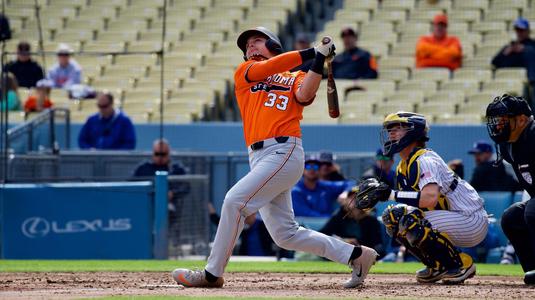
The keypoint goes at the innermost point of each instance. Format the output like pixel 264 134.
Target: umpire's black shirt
pixel 521 155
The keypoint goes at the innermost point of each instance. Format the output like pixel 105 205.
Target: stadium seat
pixel 473 74
pixel 406 5
pixel 507 15
pixel 465 85
pixel 504 4
pixel 464 15
pixel 489 26
pixel 361 97
pixel 396 75
pixel 477 63
pixel 435 108
pixel 472 4
pixel 396 62
pixel 449 96
pixel 436 74
pixel 386 86
pixel 383 109
pixel 461 118
pixel 518 74
pixel 410 96
pixel 370 5
pixel 504 86
pixel 426 87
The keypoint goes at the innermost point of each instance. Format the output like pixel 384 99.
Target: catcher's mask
pixel 273 43
pixel 416 130
pixel 498 114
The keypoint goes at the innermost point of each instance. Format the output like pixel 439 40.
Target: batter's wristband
pixel 307 54
pixel 317 65
pixel 409 198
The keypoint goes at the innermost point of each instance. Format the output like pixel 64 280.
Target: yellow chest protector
pixel 408 176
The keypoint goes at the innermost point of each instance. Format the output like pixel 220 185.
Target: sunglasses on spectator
pixel 161 153
pixel 314 167
pixel 103 105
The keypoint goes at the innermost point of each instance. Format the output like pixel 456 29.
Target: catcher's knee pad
pixel 391 217
pixel 433 247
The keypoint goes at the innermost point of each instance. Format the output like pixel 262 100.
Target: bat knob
pixel 325 40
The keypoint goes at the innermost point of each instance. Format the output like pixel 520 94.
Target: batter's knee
pixel 233 205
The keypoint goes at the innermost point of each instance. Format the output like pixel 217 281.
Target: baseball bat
pixel 332 93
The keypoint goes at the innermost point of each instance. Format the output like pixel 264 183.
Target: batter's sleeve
pixel 260 70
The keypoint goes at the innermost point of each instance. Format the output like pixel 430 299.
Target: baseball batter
pixel 438 210
pixel 271 101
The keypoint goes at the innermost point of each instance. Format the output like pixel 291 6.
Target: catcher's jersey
pixel 268 106
pixel 424 166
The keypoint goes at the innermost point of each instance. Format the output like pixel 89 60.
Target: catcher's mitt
pixel 369 192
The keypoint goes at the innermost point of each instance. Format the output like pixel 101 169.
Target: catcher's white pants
pixel 463 231
pixel 275 169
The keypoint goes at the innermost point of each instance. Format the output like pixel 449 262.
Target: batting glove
pixel 326 46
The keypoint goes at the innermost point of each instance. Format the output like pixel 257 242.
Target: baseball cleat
pixel 195 278
pixel 429 275
pixel 361 266
pixel 458 276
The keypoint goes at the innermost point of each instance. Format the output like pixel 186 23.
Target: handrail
pixel 47 116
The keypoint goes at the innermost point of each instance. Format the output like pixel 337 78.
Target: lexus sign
pixel 36 227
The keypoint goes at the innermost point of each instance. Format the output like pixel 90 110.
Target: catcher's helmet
pixel 417 129
pixel 272 43
pixel 504 106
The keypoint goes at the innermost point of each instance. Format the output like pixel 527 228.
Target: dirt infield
pixel 77 285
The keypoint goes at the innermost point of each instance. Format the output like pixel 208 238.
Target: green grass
pixel 271 267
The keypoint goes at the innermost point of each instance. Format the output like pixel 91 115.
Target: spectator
pixel 457 166
pixel 486 176
pixel 329 171
pixel 5 29
pixel 302 42
pixel 355 226
pixel 354 62
pixel 67 71
pixel 109 129
pixel 519 53
pixel 160 161
pixel 255 239
pixel 41 99
pixel 26 70
pixel 313 197
pixel 439 50
pixel 12 94
pixel 382 169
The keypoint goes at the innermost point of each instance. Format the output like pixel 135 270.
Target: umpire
pixel 510 125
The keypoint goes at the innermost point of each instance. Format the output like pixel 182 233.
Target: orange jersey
pixel 265 91
pixel 446 53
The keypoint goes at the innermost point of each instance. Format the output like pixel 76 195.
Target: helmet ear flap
pixel 273 46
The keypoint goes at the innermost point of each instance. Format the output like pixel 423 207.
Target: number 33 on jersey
pixel 268 107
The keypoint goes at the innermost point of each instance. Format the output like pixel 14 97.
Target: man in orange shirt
pixel 271 101
pixel 439 50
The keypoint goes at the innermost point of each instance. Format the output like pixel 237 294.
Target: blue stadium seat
pixel 495 204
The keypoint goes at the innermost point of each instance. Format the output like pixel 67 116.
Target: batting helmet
pixel 417 129
pixel 272 41
pixel 504 106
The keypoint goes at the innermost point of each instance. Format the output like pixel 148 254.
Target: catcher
pixel 437 210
